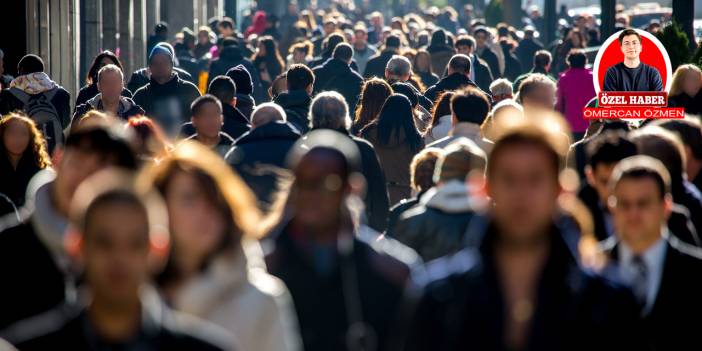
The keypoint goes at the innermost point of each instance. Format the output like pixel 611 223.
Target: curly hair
pixel 37 148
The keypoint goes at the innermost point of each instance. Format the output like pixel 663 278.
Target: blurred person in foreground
pixel 119 236
pixel 347 283
pixel 520 286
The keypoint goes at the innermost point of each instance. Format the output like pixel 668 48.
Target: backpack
pixel 40 109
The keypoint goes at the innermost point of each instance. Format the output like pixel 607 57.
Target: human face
pixel 110 85
pixel 329 28
pixel 299 56
pixel 208 121
pixel 598 178
pixel 638 211
pixel 16 138
pixel 691 83
pixel 481 39
pixel 464 49
pixel 225 31
pixel 161 68
pixel 203 38
pixel 261 49
pixel 115 251
pixel 524 187
pixel 319 191
pixel 74 167
pixel 197 224
pixel 360 38
pixel 631 47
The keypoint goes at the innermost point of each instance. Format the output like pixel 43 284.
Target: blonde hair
pixel 679 77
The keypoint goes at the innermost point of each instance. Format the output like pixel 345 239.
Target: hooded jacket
pixel 437 225
pixel 168 103
pixel 127 108
pixel 296 104
pixel 34 84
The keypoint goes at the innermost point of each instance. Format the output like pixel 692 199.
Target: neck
pixel 521 243
pixel 115 320
pixel 209 141
pixel 14 159
pixel 693 169
pixel 639 247
pixel 632 63
pixel 110 104
pixel 323 234
pixel 359 46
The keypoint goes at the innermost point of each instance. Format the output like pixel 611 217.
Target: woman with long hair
pixel 89 90
pixel 441 118
pixel 396 140
pixel 215 269
pixel 373 95
pixel 685 90
pixel 267 61
pixel 22 155
pixel 422 68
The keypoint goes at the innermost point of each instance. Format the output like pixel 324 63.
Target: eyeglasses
pixel 631 43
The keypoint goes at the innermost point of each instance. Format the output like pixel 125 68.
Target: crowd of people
pixel 324 181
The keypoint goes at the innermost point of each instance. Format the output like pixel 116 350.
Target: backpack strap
pixel 20 95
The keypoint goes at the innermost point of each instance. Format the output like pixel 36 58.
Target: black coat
pixel 462 306
pixel 376 64
pixel 259 155
pixel 490 58
pixel 89 91
pixel 169 103
pixel 296 104
pixel 673 321
pixel 141 77
pixel 483 74
pixel 692 105
pixel 68 327
pixel 235 124
pixel 223 146
pixel 452 82
pixel 525 53
pixel 126 110
pixel 338 76
pixel 13 181
pixel 245 104
pixel 397 210
pixel 373 272
pixel 231 56
pixel 38 286
pixel 428 78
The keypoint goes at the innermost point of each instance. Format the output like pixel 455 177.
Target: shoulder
pixel 188 85
pixel 447 270
pixel 614 68
pixel 190 332
pixel 388 252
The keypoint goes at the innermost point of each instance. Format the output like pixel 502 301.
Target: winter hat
pixel 161 49
pixel 458 160
pixel 242 79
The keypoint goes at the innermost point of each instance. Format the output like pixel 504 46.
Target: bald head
pixel 266 113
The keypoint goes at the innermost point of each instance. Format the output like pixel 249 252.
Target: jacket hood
pixel 33 83
pixel 125 103
pixel 451 197
pixel 272 130
pixel 294 98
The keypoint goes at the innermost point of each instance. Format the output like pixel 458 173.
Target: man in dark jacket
pixel 231 56
pixel 141 77
pixel 329 111
pixel 520 287
pixel 437 225
pixel 644 255
pixel 117 226
pixel 346 282
pixel 458 71
pixel 166 98
pixel 376 65
pixel 37 244
pixel 482 38
pixel 337 75
pixel 259 155
pixel 110 83
pixel 527 48
pixel 296 100
pixel 235 124
pixel 399 70
pixel 35 93
pixel 541 64
pixel 244 90
pixel 480 71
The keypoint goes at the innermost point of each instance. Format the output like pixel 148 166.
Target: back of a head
pixel 392 41
pixel 407 90
pixel 329 110
pixel 266 113
pixel 470 105
pixel 577 59
pixel 689 131
pixel 608 148
pixel 422 168
pixel 533 83
pixel 106 138
pixel 542 58
pixel 161 28
pixel 242 79
pixel 30 64
pixel 396 118
pixel 459 159
pixel 343 52
pixel 501 87
pixel 332 41
pixel 398 66
pixel 438 37
pixel 663 145
pixel 223 88
pixel 459 64
pixel 299 77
